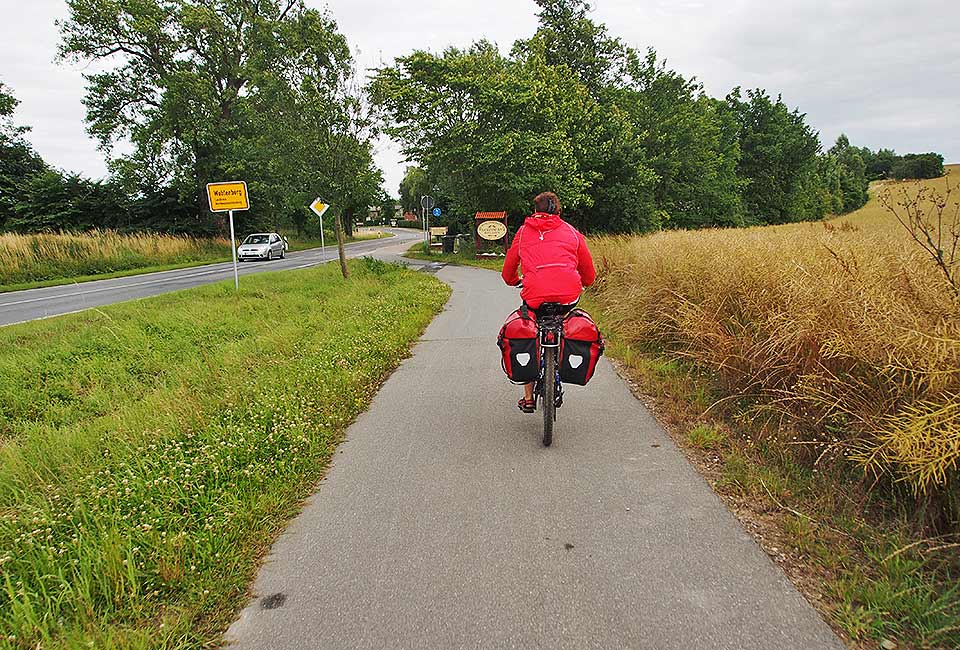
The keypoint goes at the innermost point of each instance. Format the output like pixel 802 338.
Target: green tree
pixel 918 165
pixel 52 201
pixel 215 89
pixel 778 159
pixel 830 194
pixel 388 208
pixel 852 172
pixel 569 37
pixel 491 131
pixel 879 164
pixel 18 162
pixel 413 186
pixel 690 143
pixel 620 194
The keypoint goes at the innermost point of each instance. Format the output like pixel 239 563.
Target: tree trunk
pixel 338 226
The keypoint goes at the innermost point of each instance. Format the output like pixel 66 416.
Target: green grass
pixel 705 437
pixel 152 449
pixel 465 256
pixel 898 601
pixel 304 243
pixel 884 583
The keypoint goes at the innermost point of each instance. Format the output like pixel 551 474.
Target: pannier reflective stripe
pixel 520 354
pixel 581 348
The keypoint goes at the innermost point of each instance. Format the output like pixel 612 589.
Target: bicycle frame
pixel 548 390
pixel 549 334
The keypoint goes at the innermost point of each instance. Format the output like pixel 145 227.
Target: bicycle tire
pixel 549 394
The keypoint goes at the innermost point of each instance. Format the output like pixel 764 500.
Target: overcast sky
pixel 885 72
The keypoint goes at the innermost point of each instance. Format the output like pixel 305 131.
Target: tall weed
pixel 48 256
pixel 845 326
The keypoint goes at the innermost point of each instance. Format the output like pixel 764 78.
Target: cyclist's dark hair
pixel 547 202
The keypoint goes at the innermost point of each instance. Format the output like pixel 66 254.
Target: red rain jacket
pixel 555 260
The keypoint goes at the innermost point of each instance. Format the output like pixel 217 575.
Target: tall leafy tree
pixel 878 164
pixel 829 192
pixel 852 174
pixel 664 155
pixel 492 131
pixel 413 186
pixel 214 89
pixel 621 191
pixel 568 36
pixel 778 159
pixel 55 201
pixel 918 165
pixel 18 162
pixel 689 141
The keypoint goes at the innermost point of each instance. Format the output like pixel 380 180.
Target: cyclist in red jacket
pixel 556 264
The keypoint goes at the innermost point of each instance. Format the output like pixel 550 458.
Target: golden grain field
pixel 845 325
pixel 46 256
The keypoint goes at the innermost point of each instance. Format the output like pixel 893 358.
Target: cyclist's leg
pixel 527 403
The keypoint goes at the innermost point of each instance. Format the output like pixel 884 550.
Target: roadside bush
pixel 918 166
pixel 50 201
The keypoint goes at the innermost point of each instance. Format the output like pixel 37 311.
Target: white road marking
pixel 45 316
pixel 222 267
pixel 111 288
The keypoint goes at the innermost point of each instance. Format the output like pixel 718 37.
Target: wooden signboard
pixel 436 236
pixel 491 234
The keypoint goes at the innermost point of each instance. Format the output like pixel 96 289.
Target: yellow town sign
pixel 225 197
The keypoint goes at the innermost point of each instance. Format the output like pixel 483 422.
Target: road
pixel 444 523
pixel 19 306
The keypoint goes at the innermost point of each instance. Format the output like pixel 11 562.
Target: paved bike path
pixel 443 522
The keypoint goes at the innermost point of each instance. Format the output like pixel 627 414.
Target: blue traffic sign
pixel 436 212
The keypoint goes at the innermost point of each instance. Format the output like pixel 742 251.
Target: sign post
pixel 426 203
pixel 319 207
pixel 233 249
pixel 227 197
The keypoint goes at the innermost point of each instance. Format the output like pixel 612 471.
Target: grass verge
pixel 59 282
pixel 51 256
pixel 151 450
pixel 221 254
pixel 304 243
pixel 465 256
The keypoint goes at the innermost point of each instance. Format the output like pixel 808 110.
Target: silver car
pixel 262 246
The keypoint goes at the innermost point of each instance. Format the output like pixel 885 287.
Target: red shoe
pixel 527 405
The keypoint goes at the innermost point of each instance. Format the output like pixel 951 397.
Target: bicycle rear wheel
pixel 549 394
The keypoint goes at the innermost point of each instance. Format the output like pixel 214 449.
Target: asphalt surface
pixel 20 306
pixel 444 523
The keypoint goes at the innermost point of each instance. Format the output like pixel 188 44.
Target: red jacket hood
pixel 543 222
pixel 555 258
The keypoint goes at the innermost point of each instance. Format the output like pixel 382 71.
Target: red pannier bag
pixel 581 348
pixel 518 345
